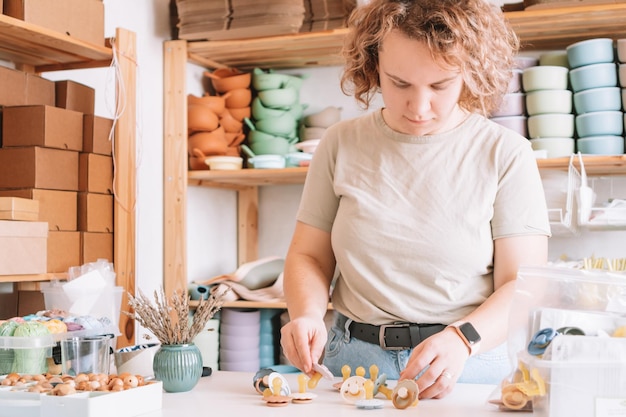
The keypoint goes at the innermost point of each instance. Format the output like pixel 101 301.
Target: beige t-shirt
pixel 413 218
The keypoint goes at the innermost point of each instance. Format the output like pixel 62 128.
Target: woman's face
pixel 420 95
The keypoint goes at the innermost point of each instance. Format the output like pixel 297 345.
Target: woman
pixel 417 216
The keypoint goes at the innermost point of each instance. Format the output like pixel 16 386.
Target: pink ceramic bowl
pixel 513 104
pixel 515 123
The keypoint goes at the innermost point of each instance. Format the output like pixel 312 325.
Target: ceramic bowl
pixel 283 125
pixel 547 77
pixel 515 123
pixel 307 133
pixel 201 118
pixel 279 97
pixel 515 84
pixel 598 99
pixel 221 163
pixel 240 113
pixel 600 123
pixel 556 58
pixel 234 138
pixel 262 81
pixel 324 118
pixel 298 159
pixel 239 330
pixel 621 75
pixel 215 103
pixel 551 125
pixel 260 112
pixel 593 76
pixel 308 146
pixel 589 52
pixel 226 79
pixel 554 147
pixel 513 104
pixel 267 161
pixel 523 62
pixel 240 316
pixel 624 100
pixel 621 50
pixel 229 123
pixel 230 356
pixel 238 98
pixel 255 136
pixel 240 366
pixel 601 145
pixel 209 143
pixel 548 101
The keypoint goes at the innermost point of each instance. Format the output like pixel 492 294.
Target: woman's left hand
pixel 442 358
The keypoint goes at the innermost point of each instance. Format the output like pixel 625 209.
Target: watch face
pixel 470 333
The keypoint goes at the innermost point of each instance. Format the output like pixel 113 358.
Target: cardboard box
pixel 96 134
pixel 39 90
pixel 58 208
pixel 95 212
pixel 80 19
pixel 63 251
pixel 29 302
pixel 75 96
pixel 95 173
pixel 46 126
pixel 12 87
pixel 23 247
pixel 36 167
pixel 96 246
pixel 16 208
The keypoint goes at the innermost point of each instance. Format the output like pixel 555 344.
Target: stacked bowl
pixel 314 125
pixel 549 107
pixel 512 111
pixel 276 112
pixel 597 97
pixel 240 331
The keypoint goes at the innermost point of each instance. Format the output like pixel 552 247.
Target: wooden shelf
pixel 47 50
pixel 240 179
pixel 538 29
pixel 247 177
pixel 252 304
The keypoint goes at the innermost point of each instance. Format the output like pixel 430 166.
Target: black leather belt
pixel 399 336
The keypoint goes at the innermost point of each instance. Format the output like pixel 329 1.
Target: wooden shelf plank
pixel 47 50
pixel 237 179
pixel 252 304
pixel 594 165
pixel 32 277
pixel 538 28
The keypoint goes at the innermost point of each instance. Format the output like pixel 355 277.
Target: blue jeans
pixel 342 349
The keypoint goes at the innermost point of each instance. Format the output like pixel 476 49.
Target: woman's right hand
pixel 303 340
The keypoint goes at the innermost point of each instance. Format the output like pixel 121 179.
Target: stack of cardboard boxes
pixel 54 150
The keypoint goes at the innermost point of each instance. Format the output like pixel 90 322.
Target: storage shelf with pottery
pixel 36 49
pixel 539 29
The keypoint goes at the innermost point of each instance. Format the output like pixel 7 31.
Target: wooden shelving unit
pixel 539 29
pixel 35 49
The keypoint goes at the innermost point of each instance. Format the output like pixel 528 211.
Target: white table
pixel 233 394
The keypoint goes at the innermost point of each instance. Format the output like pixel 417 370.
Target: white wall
pixel 211 213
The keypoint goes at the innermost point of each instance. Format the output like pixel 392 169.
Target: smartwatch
pixel 468 334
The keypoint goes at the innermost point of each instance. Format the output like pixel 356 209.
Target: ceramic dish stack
pixel 549 107
pixel 240 331
pixel 597 98
pixel 512 111
pixel 621 75
pixel 314 125
pixel 276 112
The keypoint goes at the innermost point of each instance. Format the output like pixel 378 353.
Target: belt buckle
pixel 381 336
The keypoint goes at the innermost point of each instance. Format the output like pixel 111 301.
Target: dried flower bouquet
pixel 169 319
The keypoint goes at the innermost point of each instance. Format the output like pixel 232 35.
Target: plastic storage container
pixel 97 303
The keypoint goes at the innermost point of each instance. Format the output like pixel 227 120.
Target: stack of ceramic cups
pixel 276 112
pixel 621 59
pixel 597 98
pixel 549 107
pixel 512 112
pixel 240 331
pixel 269 338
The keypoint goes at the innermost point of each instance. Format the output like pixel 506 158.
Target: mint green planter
pixel 179 367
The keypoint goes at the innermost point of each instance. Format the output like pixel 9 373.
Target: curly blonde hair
pixel 471 35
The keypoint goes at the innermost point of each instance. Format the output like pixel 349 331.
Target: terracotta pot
pixel 209 143
pixel 201 118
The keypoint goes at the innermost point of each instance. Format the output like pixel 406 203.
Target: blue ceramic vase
pixel 179 367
